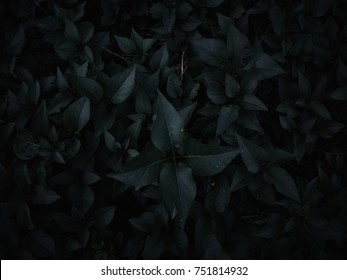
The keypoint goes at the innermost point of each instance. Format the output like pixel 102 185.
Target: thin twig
pixel 117 55
pixel 183 67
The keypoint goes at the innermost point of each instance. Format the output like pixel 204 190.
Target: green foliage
pixel 173 129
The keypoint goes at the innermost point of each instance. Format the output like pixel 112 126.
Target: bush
pixel 173 129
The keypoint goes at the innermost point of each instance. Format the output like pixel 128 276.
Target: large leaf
pixel 211 51
pixel 178 189
pixel 283 182
pixel 167 130
pixel 77 115
pixel 207 160
pixel 252 154
pixel 142 170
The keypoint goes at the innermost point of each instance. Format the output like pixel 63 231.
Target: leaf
pixel 178 189
pixel 213 3
pixel 77 115
pixel 167 130
pixel 153 248
pixel 241 178
pixel 40 122
pixel 65 49
pixel 44 196
pixel 214 79
pixel 144 222
pixel 87 87
pixel 252 154
pixel 71 32
pixel 267 67
pixel 186 113
pixel 283 182
pixel 232 87
pixel 304 85
pixel 103 216
pixel 320 109
pixel 125 45
pixel 125 88
pixel 41 243
pixel 190 24
pixel 339 94
pixel 174 86
pixel 251 102
pixel 5 132
pixel 16 41
pixel 25 145
pixel 142 170
pixel 249 120
pixel 207 160
pixel 82 197
pixel 211 51
pixel 227 116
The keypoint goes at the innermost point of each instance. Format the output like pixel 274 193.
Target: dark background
pixel 173 129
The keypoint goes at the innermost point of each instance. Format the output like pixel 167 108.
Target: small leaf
pixel 227 116
pixel 213 3
pixel 125 89
pixel 82 197
pixel 71 32
pixel 142 170
pixel 320 109
pixel 65 49
pixel 16 41
pixel 25 145
pixel 252 155
pixel 87 87
pixel 77 115
pixel 339 94
pixel 167 130
pixel 178 189
pixel 267 67
pixel 283 182
pixel 125 44
pixel 44 196
pixel 251 102
pixel 232 87
pixel 103 216
pixel 207 160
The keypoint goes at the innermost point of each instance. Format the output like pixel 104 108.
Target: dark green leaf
pixel 103 216
pixel 25 145
pixel 267 67
pixel 141 170
pixel 207 160
pixel 178 189
pixel 125 44
pixel 167 130
pixel 232 87
pixel 283 182
pixel 251 102
pixel 82 197
pixel 77 115
pixel 121 89
pixel 44 196
pixel 71 32
pixel 252 155
pixel 87 87
pixel 211 51
pixel 227 116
